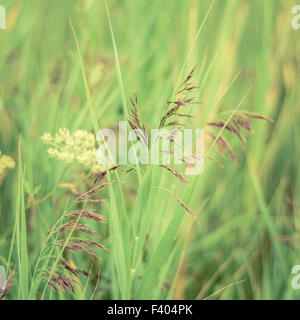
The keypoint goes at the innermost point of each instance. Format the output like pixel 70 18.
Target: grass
pixel 73 65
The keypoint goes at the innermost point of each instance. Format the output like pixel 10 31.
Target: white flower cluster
pixel 78 146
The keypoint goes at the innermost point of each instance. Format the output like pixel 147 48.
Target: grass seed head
pixel 7 285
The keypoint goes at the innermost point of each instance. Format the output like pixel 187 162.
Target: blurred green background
pixel 247 239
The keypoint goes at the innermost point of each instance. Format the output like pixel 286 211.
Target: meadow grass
pixel 74 64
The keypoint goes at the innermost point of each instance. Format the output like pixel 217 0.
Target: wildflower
pixel 6 163
pixel 79 146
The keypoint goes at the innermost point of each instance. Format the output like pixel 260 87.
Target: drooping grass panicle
pixel 182 204
pixel 239 122
pixel 73 225
pixel 187 209
pixel 91 243
pixel 60 280
pixel 174 172
pixel 223 144
pixel 68 267
pixel 74 246
pixel 7 285
pixel 135 121
pixel 182 99
pixel 257 116
pixel 104 173
pixel 91 192
pixel 71 238
pixel 86 214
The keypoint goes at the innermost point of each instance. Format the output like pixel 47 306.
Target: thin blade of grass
pixel 22 249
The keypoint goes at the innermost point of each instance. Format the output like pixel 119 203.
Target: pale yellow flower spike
pixel 6 163
pixel 79 146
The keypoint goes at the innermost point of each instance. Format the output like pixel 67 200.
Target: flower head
pixel 6 163
pixel 79 146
